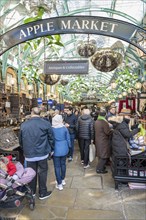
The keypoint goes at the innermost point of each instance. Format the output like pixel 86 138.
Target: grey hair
pixel 86 111
pixel 36 111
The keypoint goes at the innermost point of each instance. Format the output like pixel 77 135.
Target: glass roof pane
pixel 13 13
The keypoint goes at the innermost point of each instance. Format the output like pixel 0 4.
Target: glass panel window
pixel 9 79
pixel 23 86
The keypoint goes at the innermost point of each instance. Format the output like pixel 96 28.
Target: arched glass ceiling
pixel 13 13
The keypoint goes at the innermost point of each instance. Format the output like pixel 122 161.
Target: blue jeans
pixel 60 168
pixel 72 140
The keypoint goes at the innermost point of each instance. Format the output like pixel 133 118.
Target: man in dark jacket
pixel 120 137
pixel 70 122
pixel 85 130
pixel 37 141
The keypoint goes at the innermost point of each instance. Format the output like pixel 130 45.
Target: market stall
pixel 132 168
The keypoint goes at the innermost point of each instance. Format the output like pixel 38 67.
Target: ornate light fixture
pixel 124 93
pixel 86 48
pixel 106 60
pixel 91 94
pixel 113 85
pixel 138 85
pixel 64 82
pixel 49 79
pixel 120 96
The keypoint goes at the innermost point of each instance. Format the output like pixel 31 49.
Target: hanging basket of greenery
pixel 49 79
pixel 106 60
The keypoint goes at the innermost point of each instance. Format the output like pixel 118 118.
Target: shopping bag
pixel 91 152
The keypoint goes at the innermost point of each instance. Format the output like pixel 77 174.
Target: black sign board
pixel 73 24
pixel 66 67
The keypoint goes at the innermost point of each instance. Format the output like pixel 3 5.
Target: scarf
pixel 57 121
pixel 101 118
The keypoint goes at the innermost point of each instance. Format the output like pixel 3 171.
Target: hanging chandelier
pixel 64 82
pixel 86 48
pixel 49 79
pixel 91 94
pixel 106 60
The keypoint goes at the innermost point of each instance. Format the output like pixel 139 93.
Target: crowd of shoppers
pixel 54 135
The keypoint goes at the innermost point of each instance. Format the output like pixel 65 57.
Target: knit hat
pixel 57 121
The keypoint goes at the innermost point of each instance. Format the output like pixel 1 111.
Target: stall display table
pixel 129 169
pixel 9 142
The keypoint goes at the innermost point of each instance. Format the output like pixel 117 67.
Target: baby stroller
pixel 14 190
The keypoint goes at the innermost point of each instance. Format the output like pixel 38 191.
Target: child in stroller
pixel 13 183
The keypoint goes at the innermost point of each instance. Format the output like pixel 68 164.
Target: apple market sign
pixel 73 24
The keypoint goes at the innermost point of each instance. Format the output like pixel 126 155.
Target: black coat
pixel 120 137
pixel 85 127
pixel 71 120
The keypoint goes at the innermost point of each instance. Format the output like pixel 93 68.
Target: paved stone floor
pixel 86 196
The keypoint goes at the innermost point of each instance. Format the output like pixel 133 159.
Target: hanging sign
pixel 50 102
pixel 73 24
pixel 66 67
pixel 39 100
